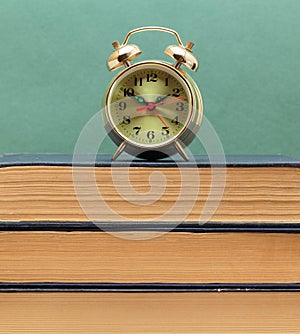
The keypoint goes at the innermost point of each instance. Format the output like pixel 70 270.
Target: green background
pixel 53 67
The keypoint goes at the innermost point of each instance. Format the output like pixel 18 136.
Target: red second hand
pixel 160 118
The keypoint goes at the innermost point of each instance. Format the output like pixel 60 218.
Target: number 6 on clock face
pixel 151 108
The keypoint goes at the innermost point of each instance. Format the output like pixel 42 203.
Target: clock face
pixel 149 105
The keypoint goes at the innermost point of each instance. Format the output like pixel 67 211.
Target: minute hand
pixel 151 105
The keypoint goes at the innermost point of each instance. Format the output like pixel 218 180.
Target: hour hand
pixel 140 99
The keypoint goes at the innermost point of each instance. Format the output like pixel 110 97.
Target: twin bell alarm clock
pixel 152 109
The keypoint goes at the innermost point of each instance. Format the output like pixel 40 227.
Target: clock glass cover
pixel 149 104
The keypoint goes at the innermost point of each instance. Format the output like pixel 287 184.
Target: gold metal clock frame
pixel 122 56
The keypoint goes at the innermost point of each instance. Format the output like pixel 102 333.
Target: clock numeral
pixel 176 92
pixel 122 105
pixel 167 82
pixel 128 92
pixel 165 130
pixel 175 120
pixel 150 135
pixel 138 129
pixel 126 120
pixel 180 106
pixel 138 81
pixel 152 77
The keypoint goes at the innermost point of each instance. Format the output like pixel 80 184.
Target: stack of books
pixel 113 248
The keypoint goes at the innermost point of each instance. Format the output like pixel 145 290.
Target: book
pixel 172 258
pixel 41 188
pixel 142 312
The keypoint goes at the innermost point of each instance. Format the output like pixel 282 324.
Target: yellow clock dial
pixel 149 105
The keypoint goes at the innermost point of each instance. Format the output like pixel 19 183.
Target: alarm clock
pixel 152 109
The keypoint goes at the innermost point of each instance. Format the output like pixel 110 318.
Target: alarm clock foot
pixel 119 150
pixel 181 151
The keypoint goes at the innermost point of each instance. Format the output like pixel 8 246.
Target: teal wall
pixel 53 67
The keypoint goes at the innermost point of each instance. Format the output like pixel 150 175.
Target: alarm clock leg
pixel 181 151
pixel 119 150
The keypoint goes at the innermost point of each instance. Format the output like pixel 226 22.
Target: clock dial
pixel 149 105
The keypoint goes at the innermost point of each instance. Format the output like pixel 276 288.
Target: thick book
pixel 192 258
pixel 128 313
pixel 244 189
